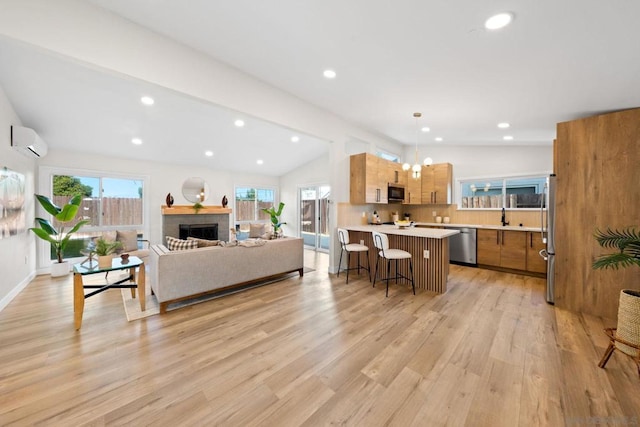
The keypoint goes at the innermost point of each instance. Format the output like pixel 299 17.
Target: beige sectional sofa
pixel 186 274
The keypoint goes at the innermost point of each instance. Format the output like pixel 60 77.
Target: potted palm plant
pixel 58 237
pixel 104 250
pixel 626 337
pixel 275 218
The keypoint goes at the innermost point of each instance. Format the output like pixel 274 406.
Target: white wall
pixel 17 253
pixel 488 161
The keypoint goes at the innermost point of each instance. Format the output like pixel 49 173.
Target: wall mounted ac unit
pixel 28 142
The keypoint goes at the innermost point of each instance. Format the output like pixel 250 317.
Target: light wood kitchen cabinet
pixel 437 182
pixel 368 179
pixel 502 248
pixel 535 263
pixel 413 193
pixel 395 174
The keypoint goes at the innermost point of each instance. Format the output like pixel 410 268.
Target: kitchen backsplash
pixel 352 214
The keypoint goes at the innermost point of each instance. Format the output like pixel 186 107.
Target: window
pixel 496 193
pixel 250 201
pixel 388 156
pixel 109 203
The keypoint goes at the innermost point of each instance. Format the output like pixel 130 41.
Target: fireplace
pixel 175 216
pixel 201 231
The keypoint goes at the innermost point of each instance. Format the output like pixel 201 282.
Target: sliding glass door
pixel 314 216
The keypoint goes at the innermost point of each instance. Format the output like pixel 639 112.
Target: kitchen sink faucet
pixel 504 218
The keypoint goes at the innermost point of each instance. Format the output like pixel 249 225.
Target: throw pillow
pixel 174 244
pixel 109 236
pixel 203 243
pixel 256 230
pixel 129 240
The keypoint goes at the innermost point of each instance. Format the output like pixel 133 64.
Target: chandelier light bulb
pixel 406 166
pixel 428 161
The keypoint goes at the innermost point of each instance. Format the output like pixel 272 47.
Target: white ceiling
pixel 558 61
pixel 83 109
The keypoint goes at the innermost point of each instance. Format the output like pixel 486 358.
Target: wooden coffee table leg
pixel 78 300
pixel 132 274
pixel 142 287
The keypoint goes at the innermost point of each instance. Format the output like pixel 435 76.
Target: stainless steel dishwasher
pixel 463 246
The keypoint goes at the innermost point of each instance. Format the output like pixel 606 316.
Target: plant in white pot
pixel 626 337
pixel 58 237
pixel 275 218
pixel 105 250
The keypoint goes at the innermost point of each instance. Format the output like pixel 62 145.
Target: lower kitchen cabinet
pixel 535 263
pixel 502 248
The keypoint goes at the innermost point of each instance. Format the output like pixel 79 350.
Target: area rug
pixel 132 305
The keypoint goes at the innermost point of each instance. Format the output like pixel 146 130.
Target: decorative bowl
pixel 402 224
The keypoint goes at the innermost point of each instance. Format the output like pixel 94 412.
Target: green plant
pixel 57 237
pixel 275 216
pixel 626 241
pixel 104 247
pixel 197 206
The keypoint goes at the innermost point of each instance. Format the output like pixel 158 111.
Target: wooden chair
pixel 343 238
pixel 381 242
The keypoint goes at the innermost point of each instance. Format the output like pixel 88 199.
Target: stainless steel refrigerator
pixel 548 229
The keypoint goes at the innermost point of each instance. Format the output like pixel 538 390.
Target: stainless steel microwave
pixel 395 193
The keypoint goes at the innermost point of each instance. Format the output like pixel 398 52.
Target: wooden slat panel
pixel 430 274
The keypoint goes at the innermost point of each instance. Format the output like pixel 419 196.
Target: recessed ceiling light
pixel 136 141
pixel 425 129
pixel 260 161
pixel 208 153
pixel 507 137
pixel 147 100
pixel 295 138
pixel 503 125
pixel 498 21
pixel 239 123
pixel 439 138
pixel 330 74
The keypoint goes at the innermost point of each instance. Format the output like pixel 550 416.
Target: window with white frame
pixel 250 201
pixel 523 192
pixel 108 203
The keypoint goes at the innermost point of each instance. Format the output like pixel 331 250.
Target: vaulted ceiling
pixel 557 61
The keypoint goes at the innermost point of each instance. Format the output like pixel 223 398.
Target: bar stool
pixel 381 242
pixel 343 237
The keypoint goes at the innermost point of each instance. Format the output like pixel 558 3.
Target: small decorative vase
pixel 105 261
pixel 169 200
pixel 225 202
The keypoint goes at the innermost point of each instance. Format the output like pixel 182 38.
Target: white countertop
pixel 490 227
pixel 431 233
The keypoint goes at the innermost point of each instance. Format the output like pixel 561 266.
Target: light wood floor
pixel 315 351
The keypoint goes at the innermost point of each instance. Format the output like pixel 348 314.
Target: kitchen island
pixel 430 273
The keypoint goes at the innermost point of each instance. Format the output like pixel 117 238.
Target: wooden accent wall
pixel 430 274
pixel 598 168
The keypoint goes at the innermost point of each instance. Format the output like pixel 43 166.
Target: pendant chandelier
pixel 417 167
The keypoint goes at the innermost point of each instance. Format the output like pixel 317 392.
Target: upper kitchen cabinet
pixel 395 174
pixel 437 181
pixel 413 195
pixel 368 179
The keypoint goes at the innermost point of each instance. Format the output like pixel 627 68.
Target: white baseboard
pixel 15 291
